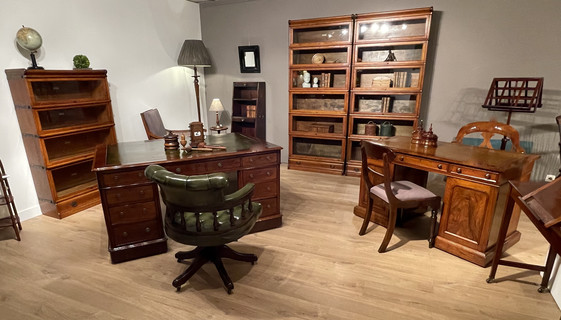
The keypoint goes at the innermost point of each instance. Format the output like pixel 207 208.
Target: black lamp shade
pixel 193 53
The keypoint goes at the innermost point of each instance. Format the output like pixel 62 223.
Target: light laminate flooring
pixel 314 267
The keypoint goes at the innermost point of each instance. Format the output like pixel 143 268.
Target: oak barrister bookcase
pixel 63 115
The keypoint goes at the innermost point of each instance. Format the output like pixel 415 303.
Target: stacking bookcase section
pixel 388 69
pixel 319 75
pixel 63 115
pixel 248 109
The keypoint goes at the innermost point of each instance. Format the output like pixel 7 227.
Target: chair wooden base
pixel 202 255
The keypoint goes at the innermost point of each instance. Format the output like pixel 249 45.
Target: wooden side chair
pixel 199 213
pixel 154 125
pixel 377 172
pixel 488 129
pixel 6 199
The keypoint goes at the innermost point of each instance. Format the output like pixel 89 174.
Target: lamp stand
pixel 217 120
pixel 196 128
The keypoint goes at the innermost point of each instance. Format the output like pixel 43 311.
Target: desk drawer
pixel 265 190
pixel 468 172
pixel 270 206
pixel 135 194
pixel 223 165
pixel 131 233
pixel 421 163
pixel 133 213
pixel 258 175
pixel 124 178
pixel 188 169
pixel 260 160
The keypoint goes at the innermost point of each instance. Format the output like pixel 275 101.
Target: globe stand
pixel 34 62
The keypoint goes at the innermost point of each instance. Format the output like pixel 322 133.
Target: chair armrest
pixel 240 195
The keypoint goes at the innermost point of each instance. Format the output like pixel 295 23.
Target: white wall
pixel 136 41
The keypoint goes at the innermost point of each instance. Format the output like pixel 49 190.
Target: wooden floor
pixel 314 266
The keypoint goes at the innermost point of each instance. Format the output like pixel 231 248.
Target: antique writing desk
pixel 475 195
pixel 131 203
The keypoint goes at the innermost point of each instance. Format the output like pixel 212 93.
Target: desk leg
pixel 502 236
pixel 547 272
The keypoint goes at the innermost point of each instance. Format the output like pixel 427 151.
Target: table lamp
pixel 194 54
pixel 216 106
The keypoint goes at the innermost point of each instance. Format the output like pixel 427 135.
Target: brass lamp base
pixel 197 133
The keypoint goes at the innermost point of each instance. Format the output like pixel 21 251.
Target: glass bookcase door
pixel 317 147
pixel 322 34
pixel 390 53
pixel 75 90
pixel 320 79
pixel 320 56
pixel 318 125
pixel 331 103
pixel 387 78
pixel 376 30
pixel 395 104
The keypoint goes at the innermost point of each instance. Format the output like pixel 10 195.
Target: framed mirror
pixel 249 59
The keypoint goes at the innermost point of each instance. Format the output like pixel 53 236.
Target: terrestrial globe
pixel 30 39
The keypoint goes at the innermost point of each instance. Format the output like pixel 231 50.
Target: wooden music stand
pixel 514 95
pixel 540 202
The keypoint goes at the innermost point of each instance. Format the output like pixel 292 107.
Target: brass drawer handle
pixel 140 174
pixel 401 158
pixel 487 176
pixel 121 214
pixel 141 192
pixel 268 206
pixel 251 160
pixel 459 170
pixel 439 166
pixel 268 188
pixel 144 210
pixel 115 178
pixel 147 230
pixel 269 158
pixel 219 164
pixel 268 173
pixel 125 234
pixel 177 170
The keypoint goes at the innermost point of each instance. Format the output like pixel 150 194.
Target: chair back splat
pixel 377 173
pixel 488 129
pixel 200 213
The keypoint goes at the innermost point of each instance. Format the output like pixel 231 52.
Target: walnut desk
pixel 475 195
pixel 131 202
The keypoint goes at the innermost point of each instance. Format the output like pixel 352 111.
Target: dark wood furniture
pixel 390 193
pixel 488 129
pixel 370 69
pixel 218 129
pixel 540 201
pixel 63 115
pixel 199 212
pixel 558 120
pixel 7 199
pixel 475 193
pixel 249 109
pixel 154 125
pixel 131 202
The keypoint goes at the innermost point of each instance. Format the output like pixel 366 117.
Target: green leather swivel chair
pixel 198 213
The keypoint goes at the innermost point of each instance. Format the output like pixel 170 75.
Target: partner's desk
pixel 475 194
pixel 131 203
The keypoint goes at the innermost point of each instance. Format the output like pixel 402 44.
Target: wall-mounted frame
pixel 249 59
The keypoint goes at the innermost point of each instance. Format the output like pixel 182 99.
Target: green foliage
pixel 81 62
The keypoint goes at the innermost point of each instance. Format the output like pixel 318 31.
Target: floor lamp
pixel 194 54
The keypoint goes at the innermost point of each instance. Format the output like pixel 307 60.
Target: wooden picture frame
pixel 249 59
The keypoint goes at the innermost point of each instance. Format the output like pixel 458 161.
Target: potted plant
pixel 81 62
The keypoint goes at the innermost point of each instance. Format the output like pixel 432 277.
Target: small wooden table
pixel 518 191
pixel 131 202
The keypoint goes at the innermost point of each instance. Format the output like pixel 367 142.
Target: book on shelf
pixel 250 111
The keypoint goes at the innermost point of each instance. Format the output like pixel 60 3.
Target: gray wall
pixel 471 43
